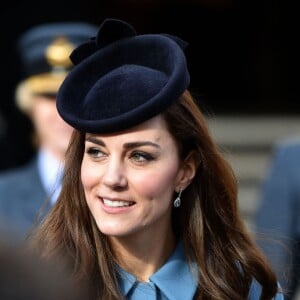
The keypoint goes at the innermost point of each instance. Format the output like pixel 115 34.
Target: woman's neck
pixel 142 257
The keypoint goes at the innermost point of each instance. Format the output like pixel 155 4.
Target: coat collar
pixel 175 279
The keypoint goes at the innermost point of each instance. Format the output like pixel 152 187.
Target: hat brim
pixel 47 84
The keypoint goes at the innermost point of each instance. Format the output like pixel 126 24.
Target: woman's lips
pixel 116 203
pixel 115 206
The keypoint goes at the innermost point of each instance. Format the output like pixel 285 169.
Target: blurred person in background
pixel 15 129
pixel 278 217
pixel 44 51
pixel 25 277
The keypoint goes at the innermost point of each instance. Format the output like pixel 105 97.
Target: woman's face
pixel 129 179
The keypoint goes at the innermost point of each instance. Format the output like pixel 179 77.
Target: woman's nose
pixel 114 175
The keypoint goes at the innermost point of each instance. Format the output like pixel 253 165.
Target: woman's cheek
pixel 153 183
pixel 88 175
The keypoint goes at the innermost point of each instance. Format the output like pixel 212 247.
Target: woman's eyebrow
pixel 129 145
pixel 95 140
pixel 140 144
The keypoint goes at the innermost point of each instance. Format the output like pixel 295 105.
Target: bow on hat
pixel 110 31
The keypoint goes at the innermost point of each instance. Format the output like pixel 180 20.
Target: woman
pixel 148 208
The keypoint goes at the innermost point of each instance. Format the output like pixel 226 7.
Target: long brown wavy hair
pixel 208 222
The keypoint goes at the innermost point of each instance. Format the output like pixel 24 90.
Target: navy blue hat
pixel 45 57
pixel 121 79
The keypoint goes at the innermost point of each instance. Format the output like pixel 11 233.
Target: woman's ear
pixel 188 170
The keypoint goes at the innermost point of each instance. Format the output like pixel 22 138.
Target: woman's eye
pixel 140 156
pixel 94 152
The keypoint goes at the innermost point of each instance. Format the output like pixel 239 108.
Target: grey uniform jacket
pixel 278 217
pixel 21 197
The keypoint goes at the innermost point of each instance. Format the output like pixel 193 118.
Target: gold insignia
pixel 57 53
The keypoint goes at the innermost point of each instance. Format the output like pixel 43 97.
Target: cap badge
pixel 58 52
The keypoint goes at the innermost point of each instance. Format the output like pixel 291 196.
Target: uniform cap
pixel 44 52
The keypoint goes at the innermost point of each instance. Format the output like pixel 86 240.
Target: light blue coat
pixel 173 281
